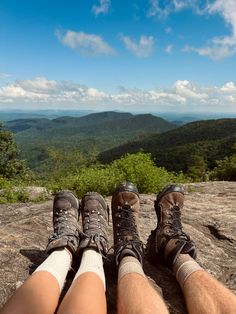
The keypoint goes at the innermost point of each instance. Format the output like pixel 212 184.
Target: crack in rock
pixel 217 233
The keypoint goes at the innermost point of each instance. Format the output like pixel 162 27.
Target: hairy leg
pixel 204 294
pixel 135 293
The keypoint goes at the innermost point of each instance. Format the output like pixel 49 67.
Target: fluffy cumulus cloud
pixel 41 92
pixel 229 88
pixel 86 44
pixel 102 7
pixel 143 48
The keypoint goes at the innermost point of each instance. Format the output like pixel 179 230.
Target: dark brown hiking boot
pixel 125 215
pixel 65 223
pixel 168 240
pixel 95 213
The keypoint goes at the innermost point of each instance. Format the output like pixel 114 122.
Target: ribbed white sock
pixel 129 264
pixel 57 264
pixel 184 266
pixel 91 262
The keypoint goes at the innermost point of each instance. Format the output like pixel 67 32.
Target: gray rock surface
pixel 209 216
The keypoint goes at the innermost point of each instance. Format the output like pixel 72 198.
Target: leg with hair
pixel 203 293
pixel 87 292
pixel 135 294
pixel 40 293
pixel 169 245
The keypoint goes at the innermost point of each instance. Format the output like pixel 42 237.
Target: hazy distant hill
pixel 8 115
pixel 100 130
pixel 213 139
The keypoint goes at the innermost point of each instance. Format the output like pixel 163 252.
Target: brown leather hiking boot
pixel 125 215
pixel 168 240
pixel 65 223
pixel 95 213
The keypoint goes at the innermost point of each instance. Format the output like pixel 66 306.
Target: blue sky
pixel 175 55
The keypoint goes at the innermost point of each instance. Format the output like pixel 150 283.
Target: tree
pixel 226 168
pixel 197 168
pixel 11 167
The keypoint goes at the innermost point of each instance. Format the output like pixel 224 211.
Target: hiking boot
pixel 125 206
pixel 95 213
pixel 168 240
pixel 65 223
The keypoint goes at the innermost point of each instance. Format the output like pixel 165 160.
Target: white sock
pixel 57 264
pixel 183 267
pixel 130 264
pixel 91 262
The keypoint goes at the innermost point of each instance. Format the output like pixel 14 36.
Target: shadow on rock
pixel 35 256
pixel 164 282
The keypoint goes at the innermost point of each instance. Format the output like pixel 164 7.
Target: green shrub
pixel 13 195
pixel 225 169
pixel 138 168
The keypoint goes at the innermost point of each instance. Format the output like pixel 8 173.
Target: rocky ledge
pixel 209 216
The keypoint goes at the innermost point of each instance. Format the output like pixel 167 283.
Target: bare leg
pixel 85 296
pixel 137 296
pixel 39 294
pixel 87 292
pixel 204 294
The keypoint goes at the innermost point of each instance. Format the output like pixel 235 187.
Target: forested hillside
pixel 98 131
pixel 63 153
pixel 177 150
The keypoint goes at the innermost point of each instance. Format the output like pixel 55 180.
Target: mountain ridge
pixel 97 130
pixel 211 135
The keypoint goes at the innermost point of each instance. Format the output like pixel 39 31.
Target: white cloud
pixel 41 92
pixel 217 48
pixel 102 8
pixel 169 48
pixel 162 9
pixel 225 46
pixel 228 87
pixel 39 84
pixel 142 49
pixel 156 10
pixel 188 90
pixel 215 52
pixel 86 44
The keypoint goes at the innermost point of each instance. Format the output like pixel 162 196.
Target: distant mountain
pixel 100 130
pixel 212 139
pixel 8 115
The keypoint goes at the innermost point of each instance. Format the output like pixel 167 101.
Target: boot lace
pixel 64 224
pixel 95 227
pixel 175 223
